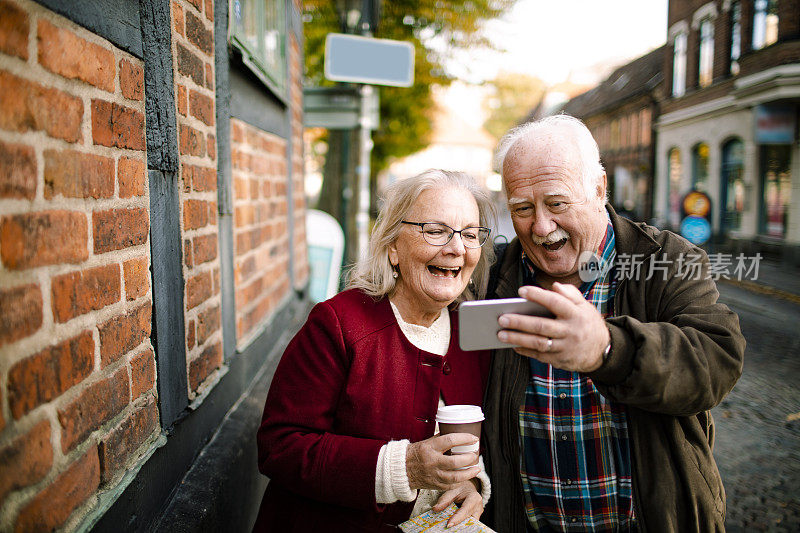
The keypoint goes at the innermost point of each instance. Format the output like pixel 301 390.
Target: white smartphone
pixel 477 321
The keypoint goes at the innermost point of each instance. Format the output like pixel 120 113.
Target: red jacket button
pixel 446 368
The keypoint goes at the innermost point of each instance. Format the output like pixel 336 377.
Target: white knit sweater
pixel 391 479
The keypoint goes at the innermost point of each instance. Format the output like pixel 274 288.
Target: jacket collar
pixel 631 238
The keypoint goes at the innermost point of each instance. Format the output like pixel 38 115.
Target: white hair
pixel 590 167
pixel 373 273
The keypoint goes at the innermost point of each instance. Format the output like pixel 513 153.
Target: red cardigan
pixel 348 383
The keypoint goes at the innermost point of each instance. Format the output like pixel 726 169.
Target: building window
pixel 706 53
pixel 733 190
pixel 624 132
pixel 674 193
pixel 634 125
pixel 700 167
pixel 765 23
pixel 602 144
pixel 736 36
pixel 679 66
pixel 258 30
pixel 776 182
pixel 644 116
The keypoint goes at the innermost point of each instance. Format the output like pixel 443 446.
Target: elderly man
pixel 599 419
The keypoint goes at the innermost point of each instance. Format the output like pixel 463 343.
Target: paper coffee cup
pixel 461 419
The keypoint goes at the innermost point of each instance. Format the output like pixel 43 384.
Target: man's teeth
pixel 554 245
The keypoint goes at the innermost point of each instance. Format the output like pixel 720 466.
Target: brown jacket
pixel 676 352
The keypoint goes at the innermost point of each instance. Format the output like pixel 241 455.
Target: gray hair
pixel 591 168
pixel 373 273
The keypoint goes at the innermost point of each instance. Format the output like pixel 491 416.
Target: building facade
pixel 620 112
pixel 729 120
pixel 152 256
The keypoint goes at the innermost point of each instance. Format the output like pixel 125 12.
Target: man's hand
pixel 468 496
pixel 428 468
pixel 574 340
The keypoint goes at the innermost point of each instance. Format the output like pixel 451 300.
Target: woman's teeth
pixel 446 272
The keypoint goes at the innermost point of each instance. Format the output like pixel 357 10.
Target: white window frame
pixel 706 11
pixel 705 65
pixel 735 8
pixel 266 57
pixel 679 65
pixel 763 22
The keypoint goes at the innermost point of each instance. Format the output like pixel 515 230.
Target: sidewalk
pixel 774 278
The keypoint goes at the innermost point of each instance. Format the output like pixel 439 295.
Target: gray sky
pixel 552 39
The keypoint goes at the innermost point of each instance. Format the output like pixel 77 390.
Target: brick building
pixel 728 124
pixel 620 112
pixel 152 256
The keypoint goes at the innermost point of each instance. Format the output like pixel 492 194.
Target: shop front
pixel 733 193
pixel 775 135
pixel 747 160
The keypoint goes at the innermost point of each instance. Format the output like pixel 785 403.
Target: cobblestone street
pixel 758 436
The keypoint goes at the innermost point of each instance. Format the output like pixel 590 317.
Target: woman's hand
pixel 428 468
pixel 468 495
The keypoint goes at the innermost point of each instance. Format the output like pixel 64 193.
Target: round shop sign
pixel 697 203
pixel 696 229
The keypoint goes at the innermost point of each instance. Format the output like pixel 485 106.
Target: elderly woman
pixel 347 438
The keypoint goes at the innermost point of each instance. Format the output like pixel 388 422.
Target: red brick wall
pixel 682 9
pixel 78 397
pixel 717 90
pixel 722 45
pixel 261 229
pixel 788 19
pixel 692 58
pixel 298 183
pixel 780 53
pixel 747 24
pixel 77 370
pixel 193 41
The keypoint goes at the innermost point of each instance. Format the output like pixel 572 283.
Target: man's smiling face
pixel 552 214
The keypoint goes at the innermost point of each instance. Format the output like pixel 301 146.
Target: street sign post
pixel 368 60
pixel 337 108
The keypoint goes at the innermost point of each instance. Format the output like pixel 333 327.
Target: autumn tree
pixel 512 96
pixel 438 30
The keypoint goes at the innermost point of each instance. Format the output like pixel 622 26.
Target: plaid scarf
pixel 575 465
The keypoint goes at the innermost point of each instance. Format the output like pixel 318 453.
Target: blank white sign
pixel 367 60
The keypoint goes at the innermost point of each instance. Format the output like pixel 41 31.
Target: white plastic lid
pixel 459 414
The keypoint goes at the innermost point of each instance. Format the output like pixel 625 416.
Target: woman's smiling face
pixel 431 277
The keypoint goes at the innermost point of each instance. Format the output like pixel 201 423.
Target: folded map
pixel 431 522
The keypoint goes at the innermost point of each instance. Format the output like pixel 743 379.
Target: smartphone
pixel 477 321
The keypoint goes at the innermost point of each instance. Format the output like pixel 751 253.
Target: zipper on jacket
pixel 637 504
pixel 515 443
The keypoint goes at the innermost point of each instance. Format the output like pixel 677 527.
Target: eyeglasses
pixel 439 234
